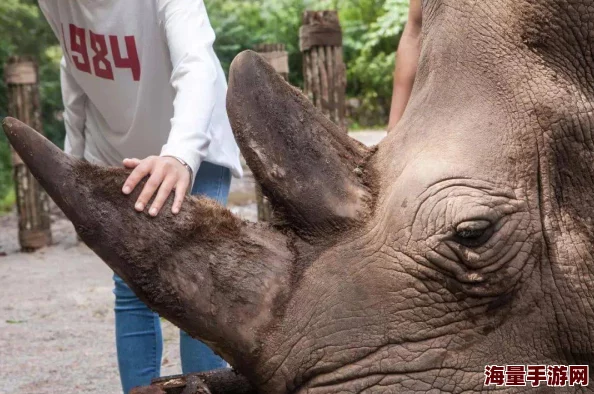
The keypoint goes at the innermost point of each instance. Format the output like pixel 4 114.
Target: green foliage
pixel 24 31
pixel 8 201
pixel 5 168
pixel 241 25
pixel 371 30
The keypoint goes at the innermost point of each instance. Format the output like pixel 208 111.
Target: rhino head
pixel 463 239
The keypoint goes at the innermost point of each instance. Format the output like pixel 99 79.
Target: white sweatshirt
pixel 140 78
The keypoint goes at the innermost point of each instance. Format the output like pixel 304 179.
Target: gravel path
pixel 56 309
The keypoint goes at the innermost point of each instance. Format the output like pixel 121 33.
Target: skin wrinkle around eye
pixel 445 205
pixel 501 247
pixel 492 251
pixel 508 254
pixel 467 210
pixel 473 184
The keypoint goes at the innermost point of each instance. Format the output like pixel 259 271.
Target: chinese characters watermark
pixel 536 375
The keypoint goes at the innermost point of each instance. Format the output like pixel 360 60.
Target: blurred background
pixel 371 30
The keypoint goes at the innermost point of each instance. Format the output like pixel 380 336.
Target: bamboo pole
pixel 320 40
pixel 21 79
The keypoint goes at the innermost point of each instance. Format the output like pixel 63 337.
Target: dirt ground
pixel 56 309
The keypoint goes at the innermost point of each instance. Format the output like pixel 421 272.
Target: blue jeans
pixel 139 340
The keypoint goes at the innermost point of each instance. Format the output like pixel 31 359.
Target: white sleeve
pixel 73 96
pixel 74 112
pixel 190 38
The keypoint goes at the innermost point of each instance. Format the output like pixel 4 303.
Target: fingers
pixel 142 169
pixel 162 195
pixel 131 163
pixel 180 192
pixel 149 189
pixel 165 175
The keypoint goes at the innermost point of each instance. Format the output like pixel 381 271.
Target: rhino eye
pixel 473 233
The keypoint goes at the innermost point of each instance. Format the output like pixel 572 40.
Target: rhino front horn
pixel 48 164
pixel 219 279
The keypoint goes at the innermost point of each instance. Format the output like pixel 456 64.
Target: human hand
pixel 166 174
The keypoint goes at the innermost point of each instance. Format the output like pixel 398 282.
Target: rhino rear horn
pixel 313 173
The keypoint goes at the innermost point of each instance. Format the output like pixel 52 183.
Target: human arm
pixel 74 99
pixel 189 38
pixel 407 58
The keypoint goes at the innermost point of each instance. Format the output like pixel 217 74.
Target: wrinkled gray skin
pixel 464 239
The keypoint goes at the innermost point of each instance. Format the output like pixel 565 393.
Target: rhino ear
pixel 313 173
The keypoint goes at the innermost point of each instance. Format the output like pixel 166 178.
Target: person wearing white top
pixel 142 87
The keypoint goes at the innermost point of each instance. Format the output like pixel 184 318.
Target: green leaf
pixel 15 321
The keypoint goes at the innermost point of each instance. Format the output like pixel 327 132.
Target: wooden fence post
pixel 21 79
pixel 278 58
pixel 324 71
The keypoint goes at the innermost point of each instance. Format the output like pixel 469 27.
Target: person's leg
pixel 139 340
pixel 214 182
pixel 196 356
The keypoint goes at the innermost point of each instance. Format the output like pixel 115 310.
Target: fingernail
pixel 153 211
pixel 175 210
pixel 126 189
pixel 139 206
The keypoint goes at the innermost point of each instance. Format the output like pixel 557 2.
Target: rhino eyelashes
pixel 473 233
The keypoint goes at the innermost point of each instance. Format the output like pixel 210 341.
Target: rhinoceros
pixel 465 239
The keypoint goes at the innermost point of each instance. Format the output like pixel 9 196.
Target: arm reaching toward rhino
pixel 407 59
pixel 195 77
